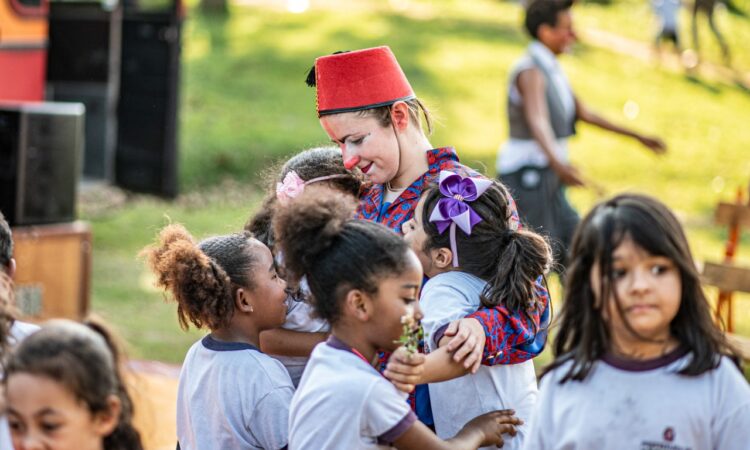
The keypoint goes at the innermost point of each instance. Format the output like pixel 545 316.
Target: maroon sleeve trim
pixel 390 436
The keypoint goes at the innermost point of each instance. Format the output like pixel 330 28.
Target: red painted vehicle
pixel 23 49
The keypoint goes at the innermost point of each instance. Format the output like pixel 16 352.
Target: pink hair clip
pixel 292 185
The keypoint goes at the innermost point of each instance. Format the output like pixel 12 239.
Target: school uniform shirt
pixel 232 396
pixel 300 317
pixel 343 403
pixel 643 405
pixel 445 298
pixel 18 332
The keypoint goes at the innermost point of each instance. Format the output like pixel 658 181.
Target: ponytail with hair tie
pixel 525 256
pixel 506 236
pixel 493 248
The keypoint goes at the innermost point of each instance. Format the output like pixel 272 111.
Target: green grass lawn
pixel 245 104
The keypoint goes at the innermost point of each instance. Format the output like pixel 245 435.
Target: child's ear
pixel 105 422
pixel 358 304
pixel 543 32
pixel 442 257
pixel 243 300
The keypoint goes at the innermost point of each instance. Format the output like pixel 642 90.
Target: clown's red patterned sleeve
pixel 513 338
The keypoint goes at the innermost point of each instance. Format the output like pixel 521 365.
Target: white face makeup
pixel 364 140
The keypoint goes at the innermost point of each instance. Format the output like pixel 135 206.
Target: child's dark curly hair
pixel 336 253
pixel 308 164
pixel 7 295
pixel 7 314
pixel 6 243
pixel 203 278
pixel 509 260
pixel 84 358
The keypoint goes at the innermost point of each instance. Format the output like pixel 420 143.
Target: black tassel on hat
pixel 310 80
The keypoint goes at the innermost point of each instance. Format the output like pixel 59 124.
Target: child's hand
pixel 493 425
pixel 468 342
pixel 405 369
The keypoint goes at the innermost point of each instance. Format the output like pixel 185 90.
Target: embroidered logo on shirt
pixel 669 436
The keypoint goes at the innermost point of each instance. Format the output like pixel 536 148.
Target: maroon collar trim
pixel 635 365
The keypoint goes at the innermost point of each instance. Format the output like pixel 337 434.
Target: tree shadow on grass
pixel 694 79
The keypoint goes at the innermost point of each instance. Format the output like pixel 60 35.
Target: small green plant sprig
pixel 411 332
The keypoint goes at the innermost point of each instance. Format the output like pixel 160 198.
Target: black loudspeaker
pixel 146 157
pixel 40 152
pixel 83 65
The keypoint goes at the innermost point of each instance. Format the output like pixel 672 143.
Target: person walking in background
pixel 667 13
pixel 542 115
pixel 708 7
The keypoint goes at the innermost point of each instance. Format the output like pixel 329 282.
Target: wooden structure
pixel 53 273
pixel 727 276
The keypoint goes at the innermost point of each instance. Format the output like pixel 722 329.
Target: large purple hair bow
pixel 453 210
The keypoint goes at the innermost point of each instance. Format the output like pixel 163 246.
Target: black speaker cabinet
pixel 40 153
pixel 83 65
pixel 146 158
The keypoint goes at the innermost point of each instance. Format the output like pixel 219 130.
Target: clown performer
pixel 367 106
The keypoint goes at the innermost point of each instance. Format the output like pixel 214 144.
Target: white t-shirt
pixel 454 295
pixel 343 403
pixel 299 317
pixel 667 12
pixel 232 396
pixel 18 332
pixel 643 405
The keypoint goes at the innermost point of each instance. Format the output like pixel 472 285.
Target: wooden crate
pixel 53 275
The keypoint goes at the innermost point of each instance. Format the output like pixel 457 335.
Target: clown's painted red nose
pixel 351 162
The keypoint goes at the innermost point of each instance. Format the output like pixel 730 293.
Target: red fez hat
pixel 358 80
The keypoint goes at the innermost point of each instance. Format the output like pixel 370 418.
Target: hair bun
pixel 309 226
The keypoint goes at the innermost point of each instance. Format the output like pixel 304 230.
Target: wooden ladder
pixel 727 276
